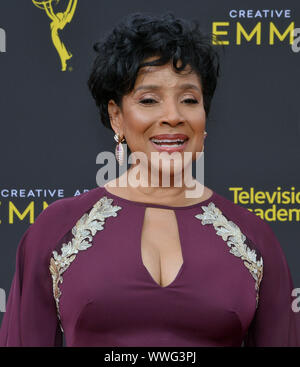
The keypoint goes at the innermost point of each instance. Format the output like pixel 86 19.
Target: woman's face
pixel 162 102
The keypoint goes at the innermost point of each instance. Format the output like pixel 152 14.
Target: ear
pixel 115 115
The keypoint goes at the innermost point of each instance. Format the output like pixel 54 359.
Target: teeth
pixel 160 141
pixel 168 145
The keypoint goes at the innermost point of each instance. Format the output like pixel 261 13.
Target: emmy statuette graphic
pixel 58 22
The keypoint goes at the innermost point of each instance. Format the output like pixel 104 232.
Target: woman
pixel 145 265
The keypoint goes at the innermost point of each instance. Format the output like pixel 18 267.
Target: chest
pixel 157 264
pixel 160 245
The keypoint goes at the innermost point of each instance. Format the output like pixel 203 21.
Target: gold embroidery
pixel 83 232
pixel 234 238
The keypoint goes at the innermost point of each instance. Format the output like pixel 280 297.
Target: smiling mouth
pixel 169 142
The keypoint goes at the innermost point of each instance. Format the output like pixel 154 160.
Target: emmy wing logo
pixel 58 22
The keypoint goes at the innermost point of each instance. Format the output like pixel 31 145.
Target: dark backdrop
pixel 50 128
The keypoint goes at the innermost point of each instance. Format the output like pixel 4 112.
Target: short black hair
pixel 120 55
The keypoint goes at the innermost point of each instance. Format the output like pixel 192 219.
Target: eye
pixel 148 101
pixel 190 101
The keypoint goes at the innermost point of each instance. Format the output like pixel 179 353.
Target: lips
pixel 169 142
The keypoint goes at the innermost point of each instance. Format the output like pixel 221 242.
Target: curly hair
pixel 121 53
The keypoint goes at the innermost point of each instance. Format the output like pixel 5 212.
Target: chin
pixel 167 168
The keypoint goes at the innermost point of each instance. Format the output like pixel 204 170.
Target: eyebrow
pixel 155 87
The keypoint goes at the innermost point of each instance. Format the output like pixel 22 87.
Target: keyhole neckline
pixel 178 275
pixel 154 205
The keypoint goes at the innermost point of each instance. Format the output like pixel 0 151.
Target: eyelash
pixel 192 101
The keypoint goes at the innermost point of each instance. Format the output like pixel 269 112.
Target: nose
pixel 171 114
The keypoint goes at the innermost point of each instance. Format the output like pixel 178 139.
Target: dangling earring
pixel 119 151
pixel 205 133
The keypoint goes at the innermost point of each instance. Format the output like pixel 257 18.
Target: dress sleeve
pixel 30 318
pixel 275 323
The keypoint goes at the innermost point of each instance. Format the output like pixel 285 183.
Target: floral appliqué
pixel 235 239
pixel 83 232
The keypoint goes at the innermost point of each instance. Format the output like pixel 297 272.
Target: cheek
pixel 137 122
pixel 197 122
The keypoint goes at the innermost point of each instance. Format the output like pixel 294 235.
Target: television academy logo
pixel 2 40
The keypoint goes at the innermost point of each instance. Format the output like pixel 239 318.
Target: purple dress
pixel 79 272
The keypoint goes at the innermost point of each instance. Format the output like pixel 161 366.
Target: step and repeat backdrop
pixel 51 131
